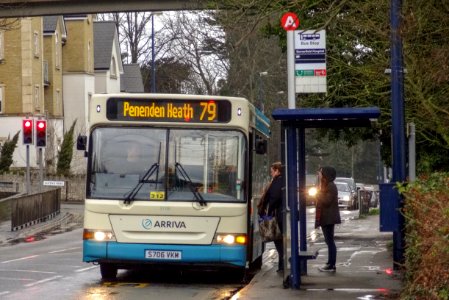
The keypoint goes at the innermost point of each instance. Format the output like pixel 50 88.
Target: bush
pixel 7 152
pixel 66 153
pixel 426 210
pixel 373 212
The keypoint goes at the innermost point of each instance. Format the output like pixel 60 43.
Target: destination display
pixel 166 110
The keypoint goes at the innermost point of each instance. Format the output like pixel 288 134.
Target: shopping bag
pixel 269 229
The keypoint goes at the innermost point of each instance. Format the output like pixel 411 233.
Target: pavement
pixel 364 268
pixel 364 261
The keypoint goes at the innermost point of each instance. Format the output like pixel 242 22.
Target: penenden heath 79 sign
pixel 166 110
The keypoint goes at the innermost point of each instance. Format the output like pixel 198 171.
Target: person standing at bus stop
pixel 272 201
pixel 328 214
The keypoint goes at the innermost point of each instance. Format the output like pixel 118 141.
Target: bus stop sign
pixel 289 21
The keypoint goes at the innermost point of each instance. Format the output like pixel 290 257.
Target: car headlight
pixel 313 191
pixel 98 235
pixel 230 239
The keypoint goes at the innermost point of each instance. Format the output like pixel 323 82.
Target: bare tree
pixel 135 35
pixel 190 39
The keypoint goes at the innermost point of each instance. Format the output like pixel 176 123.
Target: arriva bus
pixel 173 179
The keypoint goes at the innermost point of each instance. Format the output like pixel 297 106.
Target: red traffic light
pixel 27 130
pixel 41 133
pixel 41 125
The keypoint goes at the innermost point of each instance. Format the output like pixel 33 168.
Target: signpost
pixel 290 22
pixel 53 183
pixel 306 73
pixel 310 61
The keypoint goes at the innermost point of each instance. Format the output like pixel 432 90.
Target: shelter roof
pixel 327 117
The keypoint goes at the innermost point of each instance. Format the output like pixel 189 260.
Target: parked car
pixel 345 195
pixel 352 185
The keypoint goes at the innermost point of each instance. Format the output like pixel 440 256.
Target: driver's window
pixel 187 154
pixel 122 157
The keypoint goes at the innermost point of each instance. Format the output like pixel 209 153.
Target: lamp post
pixel 398 122
pixel 261 91
pixel 153 66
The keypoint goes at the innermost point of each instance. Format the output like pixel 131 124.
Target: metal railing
pixel 27 210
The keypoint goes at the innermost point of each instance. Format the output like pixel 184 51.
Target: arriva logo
pixel 147 224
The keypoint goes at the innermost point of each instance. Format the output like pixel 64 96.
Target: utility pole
pixel 153 54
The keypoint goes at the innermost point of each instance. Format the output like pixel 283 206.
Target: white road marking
pixel 373 252
pixel 63 250
pixel 15 279
pixel 17 259
pixel 43 281
pixel 4 293
pixel 86 269
pixel 28 271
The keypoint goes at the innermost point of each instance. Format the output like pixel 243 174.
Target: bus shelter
pixel 294 122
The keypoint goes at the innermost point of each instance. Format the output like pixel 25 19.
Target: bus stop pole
pixel 302 199
pixel 292 182
pixel 291 69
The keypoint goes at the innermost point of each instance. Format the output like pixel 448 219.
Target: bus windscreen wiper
pixel 145 179
pixel 132 194
pixel 186 178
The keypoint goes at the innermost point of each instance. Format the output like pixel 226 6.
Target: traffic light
pixel 27 129
pixel 41 133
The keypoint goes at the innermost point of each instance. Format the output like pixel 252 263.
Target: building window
pixel 2 45
pixel 36 44
pixel 37 91
pixel 2 96
pixel 57 52
pixel 46 79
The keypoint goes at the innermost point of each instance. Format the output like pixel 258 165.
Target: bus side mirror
pixel 261 146
pixel 81 142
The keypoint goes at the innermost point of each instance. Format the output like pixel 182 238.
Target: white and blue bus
pixel 173 179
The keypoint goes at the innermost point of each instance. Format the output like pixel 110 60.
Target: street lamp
pixel 260 90
pixel 153 67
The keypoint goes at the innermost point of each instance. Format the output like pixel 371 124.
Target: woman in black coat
pixel 273 202
pixel 328 214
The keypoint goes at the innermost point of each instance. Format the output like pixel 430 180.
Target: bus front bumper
pixel 174 254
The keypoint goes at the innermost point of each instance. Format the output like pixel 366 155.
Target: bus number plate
pixel 165 255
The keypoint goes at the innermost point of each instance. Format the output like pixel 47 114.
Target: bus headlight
pixel 98 235
pixel 313 191
pixel 230 239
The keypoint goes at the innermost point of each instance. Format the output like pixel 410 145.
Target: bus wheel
pixel 108 271
pixel 241 275
pixel 237 275
pixel 256 264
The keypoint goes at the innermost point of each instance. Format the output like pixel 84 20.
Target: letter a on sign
pixel 290 21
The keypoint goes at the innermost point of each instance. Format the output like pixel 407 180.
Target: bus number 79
pixel 210 108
